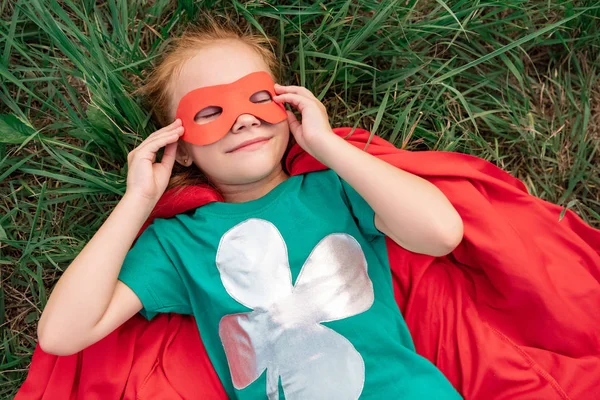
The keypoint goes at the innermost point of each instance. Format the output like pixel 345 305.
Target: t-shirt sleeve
pixel 363 214
pixel 150 273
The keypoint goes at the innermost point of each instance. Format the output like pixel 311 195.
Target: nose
pixel 245 121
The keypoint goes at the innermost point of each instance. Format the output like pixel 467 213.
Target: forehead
pixel 216 64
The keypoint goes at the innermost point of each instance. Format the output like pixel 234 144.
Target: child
pixel 287 278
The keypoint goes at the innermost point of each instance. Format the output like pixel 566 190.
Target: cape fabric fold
pixel 512 312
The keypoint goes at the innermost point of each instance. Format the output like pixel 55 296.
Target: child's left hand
pixel 315 127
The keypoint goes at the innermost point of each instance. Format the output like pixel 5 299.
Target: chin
pixel 248 168
pixel 249 172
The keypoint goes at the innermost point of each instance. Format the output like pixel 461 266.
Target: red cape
pixel 513 312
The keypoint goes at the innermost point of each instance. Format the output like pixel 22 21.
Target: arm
pixel 89 302
pixel 411 211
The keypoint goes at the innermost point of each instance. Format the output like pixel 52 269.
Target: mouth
pixel 250 145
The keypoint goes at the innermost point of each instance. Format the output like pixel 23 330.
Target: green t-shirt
pixel 292 294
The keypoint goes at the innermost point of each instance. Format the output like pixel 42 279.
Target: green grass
pixel 515 82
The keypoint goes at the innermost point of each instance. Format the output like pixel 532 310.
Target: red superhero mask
pixel 234 100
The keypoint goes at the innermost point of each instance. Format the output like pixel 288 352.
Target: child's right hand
pixel 89 301
pixel 146 179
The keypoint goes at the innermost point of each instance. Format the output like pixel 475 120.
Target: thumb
pixel 295 126
pixel 168 158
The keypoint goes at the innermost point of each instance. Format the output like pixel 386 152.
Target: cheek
pixel 283 133
pixel 206 157
pixel 284 139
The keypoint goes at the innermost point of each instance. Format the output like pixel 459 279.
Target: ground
pixel 514 82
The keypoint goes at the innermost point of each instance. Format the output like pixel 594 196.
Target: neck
pixel 253 190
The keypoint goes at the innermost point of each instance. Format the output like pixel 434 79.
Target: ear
pixel 183 156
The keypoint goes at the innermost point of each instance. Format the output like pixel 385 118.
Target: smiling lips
pixel 251 144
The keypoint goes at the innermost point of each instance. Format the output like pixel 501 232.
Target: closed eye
pixel 207 114
pixel 261 97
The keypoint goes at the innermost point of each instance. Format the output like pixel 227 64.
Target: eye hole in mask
pixel 261 97
pixel 210 113
pixel 207 114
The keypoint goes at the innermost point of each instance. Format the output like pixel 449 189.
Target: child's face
pixel 220 63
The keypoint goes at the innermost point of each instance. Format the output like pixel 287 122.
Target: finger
pixel 295 126
pixel 177 132
pixel 150 149
pixel 301 90
pixel 173 125
pixel 296 100
pixel 172 132
pixel 168 158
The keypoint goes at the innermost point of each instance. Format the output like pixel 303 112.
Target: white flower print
pixel 283 334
